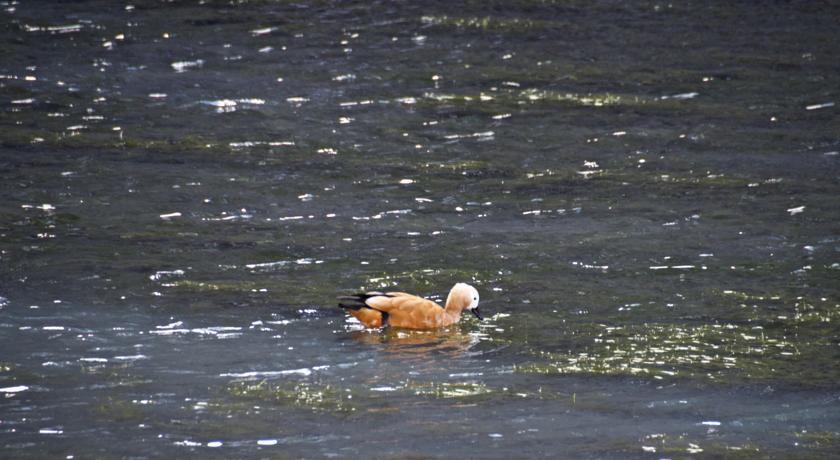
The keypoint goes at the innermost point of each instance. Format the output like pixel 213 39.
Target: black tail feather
pixel 357 301
pixel 350 302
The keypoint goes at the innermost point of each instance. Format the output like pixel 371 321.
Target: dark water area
pixel 644 193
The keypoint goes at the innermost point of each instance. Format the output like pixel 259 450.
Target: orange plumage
pixel 400 309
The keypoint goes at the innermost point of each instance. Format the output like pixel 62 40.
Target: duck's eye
pixel 475 298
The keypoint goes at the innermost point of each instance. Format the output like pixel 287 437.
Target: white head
pixel 468 296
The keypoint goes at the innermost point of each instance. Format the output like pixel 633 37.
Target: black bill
pixel 477 314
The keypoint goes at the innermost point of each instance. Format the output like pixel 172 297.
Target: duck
pixel 377 309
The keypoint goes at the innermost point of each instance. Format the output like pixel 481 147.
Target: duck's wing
pixel 377 308
pixel 356 301
pixel 377 300
pixel 357 305
pixel 401 302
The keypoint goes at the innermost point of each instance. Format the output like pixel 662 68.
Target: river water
pixel 644 193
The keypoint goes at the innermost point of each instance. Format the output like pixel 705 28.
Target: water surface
pixel 644 193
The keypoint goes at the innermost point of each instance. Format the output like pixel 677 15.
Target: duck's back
pixel 398 309
pixel 409 311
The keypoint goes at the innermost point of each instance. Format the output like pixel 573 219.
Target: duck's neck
pixel 454 308
pixel 452 316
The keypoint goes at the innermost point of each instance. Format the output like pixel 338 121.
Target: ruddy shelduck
pixel 399 309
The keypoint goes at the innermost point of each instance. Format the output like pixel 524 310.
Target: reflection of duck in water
pixel 399 309
pixel 448 340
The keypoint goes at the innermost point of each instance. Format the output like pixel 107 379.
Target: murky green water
pixel 644 193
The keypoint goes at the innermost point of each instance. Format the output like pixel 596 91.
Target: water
pixel 645 194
